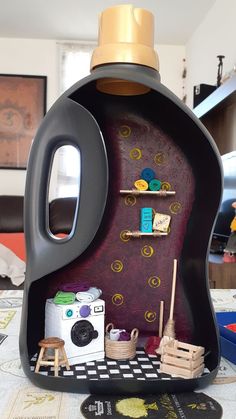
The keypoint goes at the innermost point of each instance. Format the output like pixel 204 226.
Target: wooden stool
pixel 59 357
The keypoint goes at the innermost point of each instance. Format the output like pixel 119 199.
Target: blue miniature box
pixel 227 337
pixel 146 214
pixel 146 226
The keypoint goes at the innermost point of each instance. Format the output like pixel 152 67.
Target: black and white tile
pixel 142 367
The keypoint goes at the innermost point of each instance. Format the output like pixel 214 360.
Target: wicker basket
pixel 121 349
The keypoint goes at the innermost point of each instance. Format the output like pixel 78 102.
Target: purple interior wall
pixel 136 274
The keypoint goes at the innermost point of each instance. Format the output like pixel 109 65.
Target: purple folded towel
pixel 124 336
pixel 74 287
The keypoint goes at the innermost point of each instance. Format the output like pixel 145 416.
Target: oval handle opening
pixel 64 191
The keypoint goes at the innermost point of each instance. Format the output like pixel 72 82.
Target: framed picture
pixel 22 107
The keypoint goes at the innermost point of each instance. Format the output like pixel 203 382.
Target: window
pixel 74 64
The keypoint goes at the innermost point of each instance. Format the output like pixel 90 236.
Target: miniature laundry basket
pixel 120 349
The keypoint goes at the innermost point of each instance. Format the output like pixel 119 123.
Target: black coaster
pixel 171 406
pixel 2 337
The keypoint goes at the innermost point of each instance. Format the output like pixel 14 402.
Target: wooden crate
pixel 182 359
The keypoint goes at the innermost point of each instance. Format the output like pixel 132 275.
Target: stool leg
pixel 40 357
pixel 56 362
pixel 65 359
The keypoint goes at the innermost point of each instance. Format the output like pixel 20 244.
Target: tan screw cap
pixel 126 35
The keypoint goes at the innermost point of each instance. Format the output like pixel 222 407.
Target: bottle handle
pixel 67 123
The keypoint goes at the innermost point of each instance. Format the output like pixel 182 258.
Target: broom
pixel 169 331
pixel 170 325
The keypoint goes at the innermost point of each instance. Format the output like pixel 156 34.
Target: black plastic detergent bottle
pixel 141 148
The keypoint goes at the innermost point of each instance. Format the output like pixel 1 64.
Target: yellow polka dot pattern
pixel 117 266
pixel 160 158
pixel 130 200
pixel 124 131
pixel 147 251
pixel 123 236
pixel 117 299
pixel 135 153
pixel 154 281
pixel 165 186
pixel 150 316
pixel 175 207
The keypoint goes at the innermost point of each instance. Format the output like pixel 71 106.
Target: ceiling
pixel 175 20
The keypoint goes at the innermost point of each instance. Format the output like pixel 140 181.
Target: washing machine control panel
pixel 83 310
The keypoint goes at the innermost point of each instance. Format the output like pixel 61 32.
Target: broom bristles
pixel 165 340
pixel 170 329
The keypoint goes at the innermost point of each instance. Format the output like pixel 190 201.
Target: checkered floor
pixel 142 367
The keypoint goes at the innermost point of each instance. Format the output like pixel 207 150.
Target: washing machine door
pixel 82 333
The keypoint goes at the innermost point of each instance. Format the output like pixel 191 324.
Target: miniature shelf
pixel 138 234
pixel 137 192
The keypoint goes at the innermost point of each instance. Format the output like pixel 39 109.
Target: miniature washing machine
pixel 80 325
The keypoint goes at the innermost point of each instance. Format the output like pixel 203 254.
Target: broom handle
pixel 172 303
pixel 161 318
